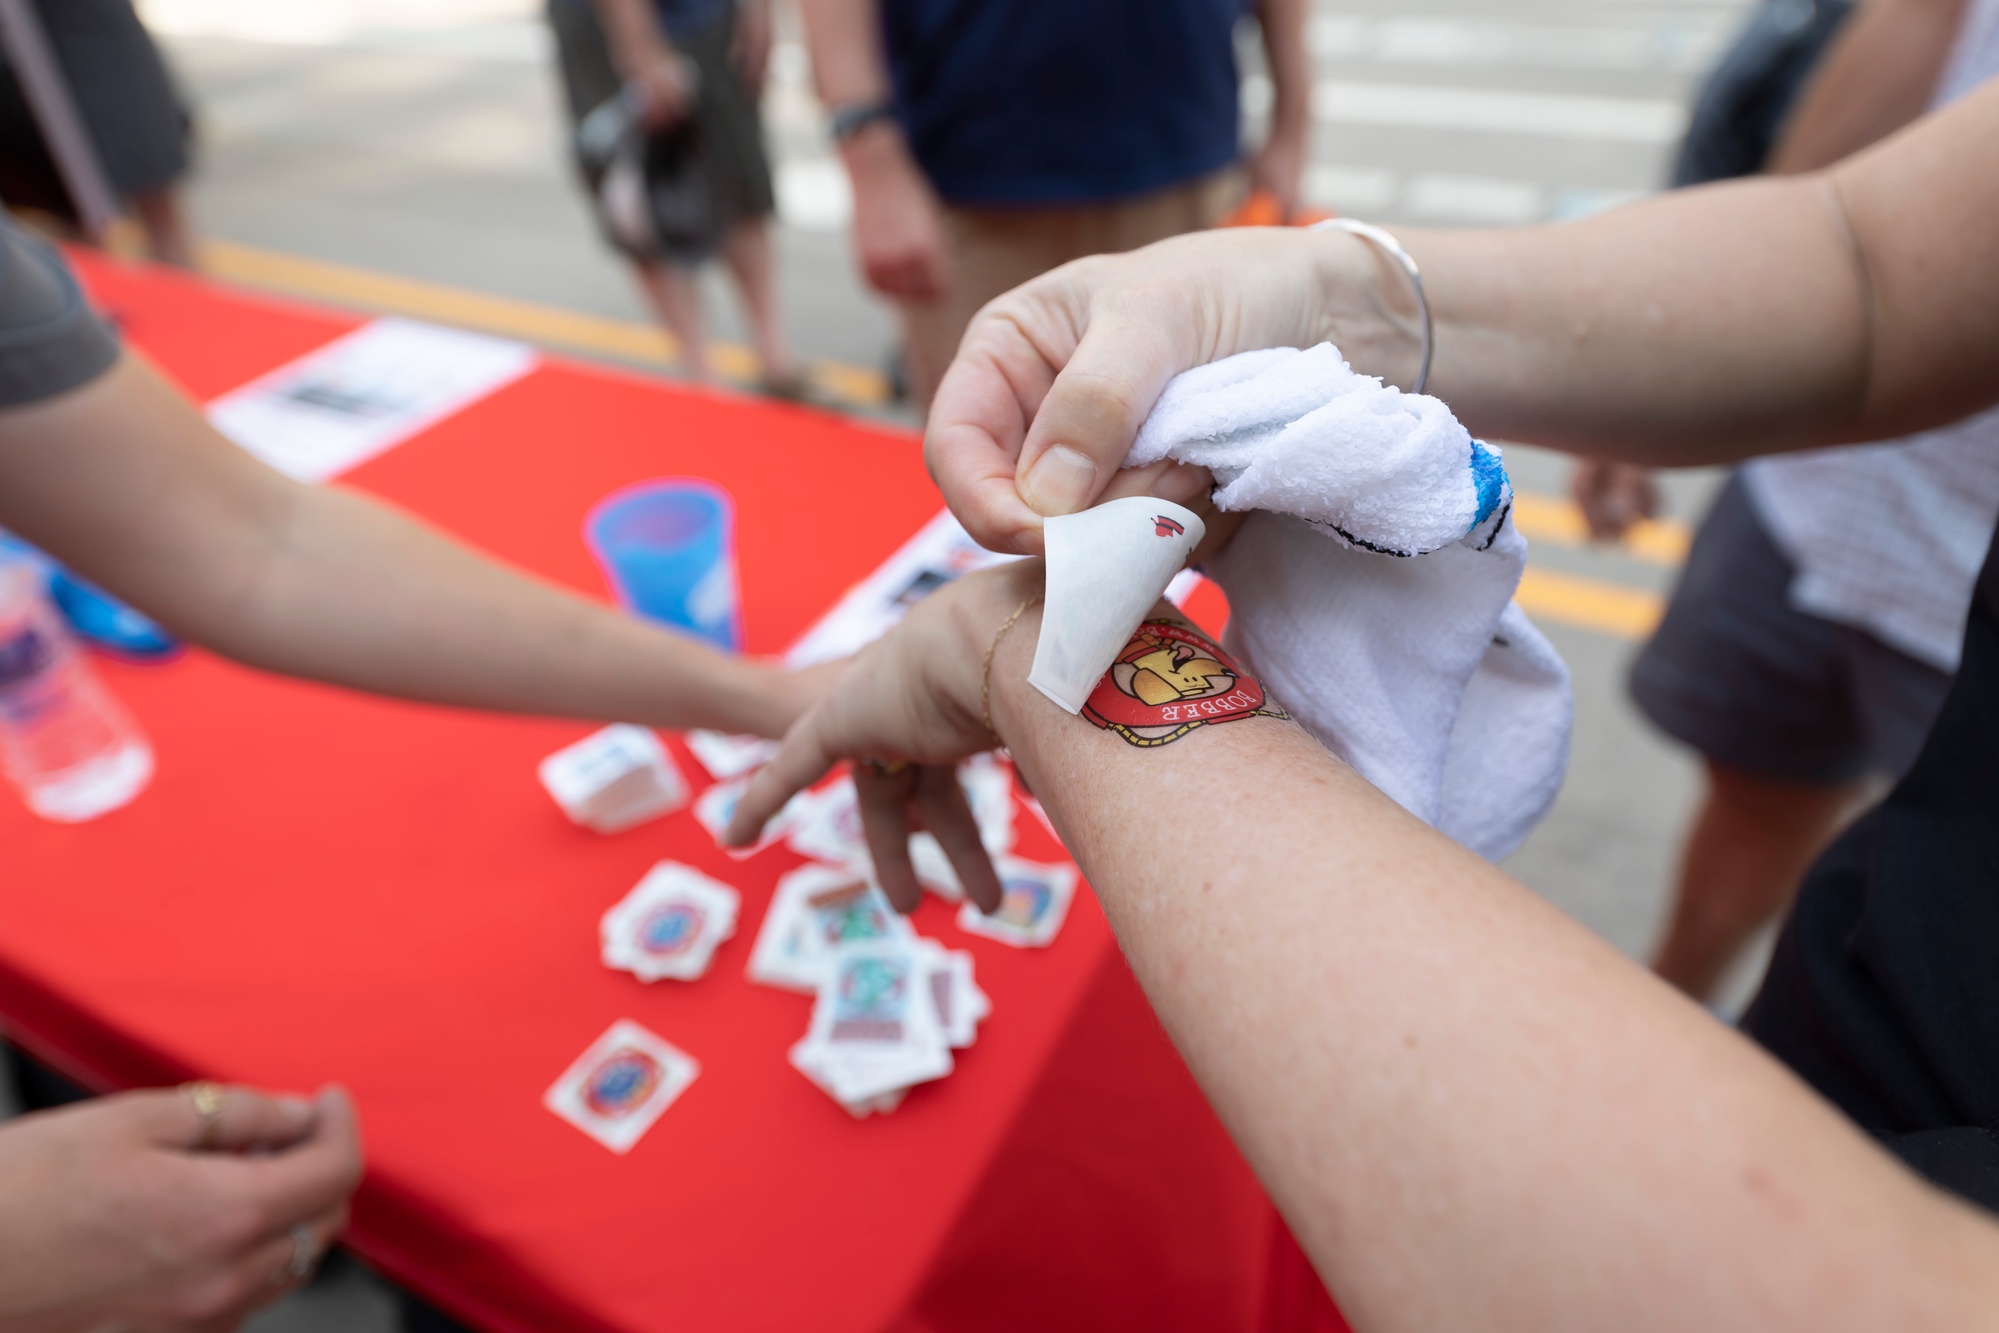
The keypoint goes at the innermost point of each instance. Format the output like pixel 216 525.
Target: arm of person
pixel 124 481
pixel 1879 75
pixel 1471 1112
pixel 1701 326
pixel 1279 166
pixel 898 232
pixel 645 57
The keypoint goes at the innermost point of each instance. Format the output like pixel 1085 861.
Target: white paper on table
pixel 1106 568
pixel 940 552
pixel 363 394
pixel 614 778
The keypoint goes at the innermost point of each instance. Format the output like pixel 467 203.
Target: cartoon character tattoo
pixel 1169 680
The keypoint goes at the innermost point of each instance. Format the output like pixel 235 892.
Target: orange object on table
pixel 323 886
pixel 1260 209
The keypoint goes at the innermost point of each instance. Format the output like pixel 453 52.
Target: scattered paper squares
pixel 614 779
pixel 1033 904
pixel 670 925
pixel 360 395
pixel 621 1085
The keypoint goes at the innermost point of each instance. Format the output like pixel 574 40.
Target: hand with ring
pixel 173 1210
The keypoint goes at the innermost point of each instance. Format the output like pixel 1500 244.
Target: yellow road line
pixel 1584 603
pixel 548 326
pixel 1546 518
pixel 1608 608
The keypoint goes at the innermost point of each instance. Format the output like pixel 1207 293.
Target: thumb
pixel 1092 412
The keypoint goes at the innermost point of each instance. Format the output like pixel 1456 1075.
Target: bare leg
pixel 169 239
pixel 747 248
pixel 1749 846
pixel 676 299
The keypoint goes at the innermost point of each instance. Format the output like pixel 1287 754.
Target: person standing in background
pixel 990 143
pixel 692 71
pixel 1816 625
pixel 135 118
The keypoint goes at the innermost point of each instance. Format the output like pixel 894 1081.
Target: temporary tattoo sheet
pixel 1107 566
pixel 1169 680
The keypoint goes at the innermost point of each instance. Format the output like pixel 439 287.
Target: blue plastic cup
pixel 669 550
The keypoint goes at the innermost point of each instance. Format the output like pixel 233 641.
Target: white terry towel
pixel 1373 597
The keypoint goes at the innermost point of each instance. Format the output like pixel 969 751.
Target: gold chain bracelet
pixel 986 674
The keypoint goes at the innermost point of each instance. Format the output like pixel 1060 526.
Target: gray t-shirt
pixel 50 339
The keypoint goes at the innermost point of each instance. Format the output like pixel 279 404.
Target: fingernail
pixel 295 1106
pixel 1060 482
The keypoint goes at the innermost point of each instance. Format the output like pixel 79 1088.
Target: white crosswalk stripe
pixel 1443 113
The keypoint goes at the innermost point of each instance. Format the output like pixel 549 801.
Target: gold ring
pixel 885 768
pixel 207 1099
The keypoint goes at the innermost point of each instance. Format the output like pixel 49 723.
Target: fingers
pixel 1220 532
pixel 210 1116
pixel 801 761
pixel 948 816
pixel 980 415
pixel 884 804
pixel 912 274
pixel 1182 483
pixel 282 1263
pixel 1093 410
pixel 313 1178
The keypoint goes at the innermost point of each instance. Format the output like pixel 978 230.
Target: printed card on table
pixel 726 757
pixel 670 925
pixel 1034 901
pixel 816 910
pixel 360 395
pixel 617 1089
pixel 875 1028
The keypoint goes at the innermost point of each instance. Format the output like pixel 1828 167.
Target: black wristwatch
pixel 854 117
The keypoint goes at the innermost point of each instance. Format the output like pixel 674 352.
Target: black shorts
pixel 730 125
pixel 1738 673
pixel 136 119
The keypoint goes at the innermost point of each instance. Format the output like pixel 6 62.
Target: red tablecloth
pixel 321 886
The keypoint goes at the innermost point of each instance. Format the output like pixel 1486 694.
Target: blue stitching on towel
pixel 1488 474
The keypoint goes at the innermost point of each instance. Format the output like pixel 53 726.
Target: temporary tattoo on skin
pixel 1169 680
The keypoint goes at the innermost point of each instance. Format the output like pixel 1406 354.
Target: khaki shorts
pixel 993 250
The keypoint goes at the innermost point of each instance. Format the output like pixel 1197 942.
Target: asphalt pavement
pixel 411 157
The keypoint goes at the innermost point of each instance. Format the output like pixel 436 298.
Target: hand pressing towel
pixel 1373 594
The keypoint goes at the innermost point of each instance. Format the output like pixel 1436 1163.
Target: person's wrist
pixel 640 57
pixel 1006 689
pixel 1365 305
pixel 988 599
pixel 875 151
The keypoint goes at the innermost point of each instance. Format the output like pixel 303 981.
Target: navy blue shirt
pixel 680 18
pixel 1064 101
pixel 684 18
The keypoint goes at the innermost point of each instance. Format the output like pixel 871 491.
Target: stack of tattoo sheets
pixel 891 1007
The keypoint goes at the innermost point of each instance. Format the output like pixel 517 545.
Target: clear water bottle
pixel 64 741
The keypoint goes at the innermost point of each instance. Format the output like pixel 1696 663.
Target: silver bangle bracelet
pixel 1391 247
